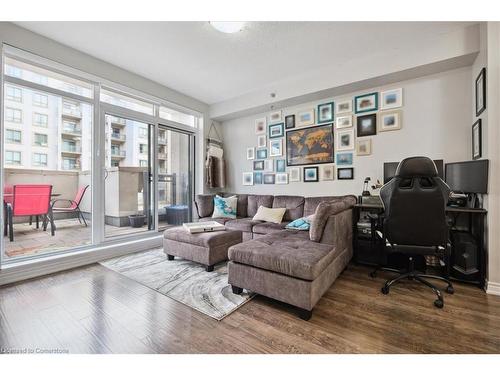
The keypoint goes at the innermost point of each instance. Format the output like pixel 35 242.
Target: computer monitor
pixel 391 167
pixel 468 176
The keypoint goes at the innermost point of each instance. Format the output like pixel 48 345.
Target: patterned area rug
pixel 182 280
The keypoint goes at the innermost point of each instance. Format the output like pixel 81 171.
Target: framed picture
pixel 269 178
pixel 276 130
pixel 345 173
pixel 260 126
pixel 481 92
pixel 258 165
pixel 344 158
pixel 311 174
pixel 294 173
pixel 281 178
pixel 281 165
pixel 257 178
pixel 366 102
pixel 275 117
pixel 343 106
pixel 248 178
pixel 477 145
pixel 391 99
pixel 363 147
pixel 262 153
pixel 327 172
pixel 345 140
pixel 261 141
pixel 305 118
pixel 390 120
pixel 325 113
pixel 342 122
pixel 269 165
pixel 310 146
pixel 367 125
pixel 250 153
pixel 290 122
pixel 276 147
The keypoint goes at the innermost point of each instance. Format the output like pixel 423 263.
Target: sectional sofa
pixel 295 267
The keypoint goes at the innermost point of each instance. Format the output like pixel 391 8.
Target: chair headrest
pixel 417 166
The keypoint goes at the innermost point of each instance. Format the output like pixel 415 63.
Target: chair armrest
pixel 52 203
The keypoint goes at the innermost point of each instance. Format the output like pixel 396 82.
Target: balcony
pixel 120 122
pixel 162 155
pixel 162 141
pixel 71 131
pixel 118 137
pixel 72 113
pixel 68 149
pixel 118 154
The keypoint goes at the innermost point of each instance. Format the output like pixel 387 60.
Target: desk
pixel 367 248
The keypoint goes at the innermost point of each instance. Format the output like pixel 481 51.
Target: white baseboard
pixel 18 272
pixel 493 288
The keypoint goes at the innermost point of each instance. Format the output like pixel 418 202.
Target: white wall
pixel 436 123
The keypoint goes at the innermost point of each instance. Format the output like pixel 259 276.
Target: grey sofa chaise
pixel 287 265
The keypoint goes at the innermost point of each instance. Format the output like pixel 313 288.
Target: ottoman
pixel 207 248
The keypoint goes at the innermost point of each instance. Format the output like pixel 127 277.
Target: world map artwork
pixel 310 146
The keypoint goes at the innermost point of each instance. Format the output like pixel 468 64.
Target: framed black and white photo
pixel 343 106
pixel 481 92
pixel 294 173
pixel 345 173
pixel 281 179
pixel 269 178
pixel 366 102
pixel 276 130
pixel 258 165
pixel 391 99
pixel 389 120
pixel 327 172
pixel 290 121
pixel 260 126
pixel 261 141
pixel 367 125
pixel 250 153
pixel 325 113
pixel 275 117
pixel 345 140
pixel 248 178
pixel 476 140
pixel 342 122
pixel 364 147
pixel 311 174
pixel 269 165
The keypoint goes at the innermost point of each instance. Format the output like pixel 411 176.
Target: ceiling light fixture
pixel 227 27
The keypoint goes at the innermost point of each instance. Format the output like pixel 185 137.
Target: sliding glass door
pixel 175 177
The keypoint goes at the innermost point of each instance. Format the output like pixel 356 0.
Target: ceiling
pixel 196 60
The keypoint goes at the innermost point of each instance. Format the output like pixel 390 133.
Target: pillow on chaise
pixel 272 215
pixel 225 207
pixel 323 211
pixel 304 223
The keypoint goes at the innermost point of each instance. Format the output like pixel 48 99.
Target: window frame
pixel 12 152
pixel 16 131
pixel 38 164
pixel 13 121
pixel 37 104
pixel 12 98
pixel 40 125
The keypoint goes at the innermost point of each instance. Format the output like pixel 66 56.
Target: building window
pixel 13 115
pixel 14 94
pixel 143 132
pixel 13 157
pixel 69 164
pixel 72 109
pixel 177 116
pixel 40 139
pixel 40 119
pixel 115 163
pixel 39 160
pixel 143 148
pixel 13 136
pixel 143 163
pixel 40 100
pixel 13 71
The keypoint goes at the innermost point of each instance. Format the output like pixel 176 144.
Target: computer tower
pixel 464 253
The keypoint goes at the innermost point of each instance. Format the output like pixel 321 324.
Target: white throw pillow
pixel 225 207
pixel 272 215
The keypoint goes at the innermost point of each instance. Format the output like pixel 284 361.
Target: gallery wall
pixel 436 115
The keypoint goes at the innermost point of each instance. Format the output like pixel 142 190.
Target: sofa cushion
pixel 271 215
pixel 323 212
pixel 294 206
pixel 266 228
pixel 225 207
pixel 245 224
pixel 206 239
pixel 310 203
pixel 204 204
pixel 286 252
pixel 255 201
pixel 241 209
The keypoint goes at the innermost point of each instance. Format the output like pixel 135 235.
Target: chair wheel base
pixel 439 303
pixel 384 290
pixel 449 290
pixel 373 274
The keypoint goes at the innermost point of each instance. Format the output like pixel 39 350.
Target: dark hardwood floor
pixel 95 310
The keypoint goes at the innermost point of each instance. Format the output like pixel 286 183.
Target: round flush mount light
pixel 227 27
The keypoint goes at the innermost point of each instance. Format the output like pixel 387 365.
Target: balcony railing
pixel 162 155
pixel 118 153
pixel 118 121
pixel 118 137
pixel 72 112
pixel 71 130
pixel 162 141
pixel 72 149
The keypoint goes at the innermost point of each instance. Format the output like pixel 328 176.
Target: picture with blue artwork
pixel 344 158
pixel 262 153
pixel 257 178
pixel 280 165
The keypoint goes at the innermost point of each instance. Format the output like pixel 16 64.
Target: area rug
pixel 182 280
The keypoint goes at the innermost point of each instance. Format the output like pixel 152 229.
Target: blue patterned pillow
pixel 304 223
pixel 225 207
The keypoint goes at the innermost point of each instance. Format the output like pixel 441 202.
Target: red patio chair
pixel 30 200
pixel 74 204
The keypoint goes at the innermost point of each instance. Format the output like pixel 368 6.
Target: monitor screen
pixel 390 169
pixel 468 176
